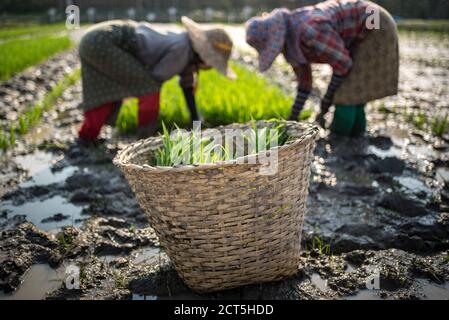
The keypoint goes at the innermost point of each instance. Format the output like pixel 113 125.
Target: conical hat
pixel 214 46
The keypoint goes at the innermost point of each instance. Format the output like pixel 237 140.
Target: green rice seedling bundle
pixel 182 147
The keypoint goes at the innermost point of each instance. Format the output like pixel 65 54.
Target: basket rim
pixel 310 131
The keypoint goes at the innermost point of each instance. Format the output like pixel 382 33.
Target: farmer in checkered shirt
pixel 328 32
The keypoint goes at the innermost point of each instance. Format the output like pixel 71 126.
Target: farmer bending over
pixel 343 34
pixel 121 59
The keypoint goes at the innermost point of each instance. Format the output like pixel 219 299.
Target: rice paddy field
pixel 23 47
pixel 376 202
pixel 219 101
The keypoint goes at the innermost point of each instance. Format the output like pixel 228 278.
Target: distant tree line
pixel 423 9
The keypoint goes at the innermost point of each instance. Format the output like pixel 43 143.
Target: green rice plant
pixel 421 25
pixel 420 120
pixel 33 115
pixel 23 125
pixel 321 246
pixel 12 32
pixel 439 125
pixel 4 141
pixel 182 147
pixel 305 114
pixel 219 101
pixel 178 148
pixel 127 117
pixel 17 55
pixel 12 136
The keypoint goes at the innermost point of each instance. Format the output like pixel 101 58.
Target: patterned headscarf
pixel 267 35
pixel 275 33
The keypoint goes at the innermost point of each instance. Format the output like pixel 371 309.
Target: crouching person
pixel 358 39
pixel 121 59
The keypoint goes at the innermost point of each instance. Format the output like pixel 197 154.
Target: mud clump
pixel 388 165
pixel 319 276
pixel 22 247
pixel 405 206
pixel 56 218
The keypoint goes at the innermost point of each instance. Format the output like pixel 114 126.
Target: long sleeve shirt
pixel 325 33
pixel 166 54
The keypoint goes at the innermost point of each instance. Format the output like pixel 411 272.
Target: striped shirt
pixel 326 33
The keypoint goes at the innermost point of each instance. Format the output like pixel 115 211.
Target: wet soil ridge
pixel 377 205
pixel 30 86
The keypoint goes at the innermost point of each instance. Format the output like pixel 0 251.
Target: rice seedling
pixel 305 114
pixel 320 246
pixel 420 120
pixel 12 32
pixel 182 147
pixel 420 25
pixel 219 101
pixel 127 118
pixel 12 136
pixel 439 125
pixel 17 55
pixel 33 115
pixel 4 141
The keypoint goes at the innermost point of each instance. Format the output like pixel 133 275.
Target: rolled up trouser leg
pixel 148 109
pixel 147 114
pixel 94 119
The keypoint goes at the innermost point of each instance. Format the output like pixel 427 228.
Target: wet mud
pixel 376 227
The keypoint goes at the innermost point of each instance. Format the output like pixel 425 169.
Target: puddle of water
pixel 143 297
pixel 442 175
pixel 421 151
pixel 350 268
pixel 412 184
pixel 36 211
pixel 432 291
pixel 149 255
pixel 319 282
pixel 365 295
pixel 109 258
pixel 39 165
pixel 182 296
pixel 36 282
pixel 391 152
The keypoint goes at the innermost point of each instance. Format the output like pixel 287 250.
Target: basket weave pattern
pixel 226 225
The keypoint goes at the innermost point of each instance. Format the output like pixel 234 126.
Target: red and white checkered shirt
pixel 327 33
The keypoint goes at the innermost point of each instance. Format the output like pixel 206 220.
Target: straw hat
pixel 214 46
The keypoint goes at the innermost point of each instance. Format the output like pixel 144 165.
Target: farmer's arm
pixel 187 82
pixel 304 76
pixel 327 43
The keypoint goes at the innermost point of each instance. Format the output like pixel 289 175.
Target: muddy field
pixel 378 205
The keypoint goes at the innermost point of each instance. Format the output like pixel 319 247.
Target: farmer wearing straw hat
pixel 121 59
pixel 364 58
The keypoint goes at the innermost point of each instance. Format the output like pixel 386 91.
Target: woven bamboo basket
pixel 225 225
